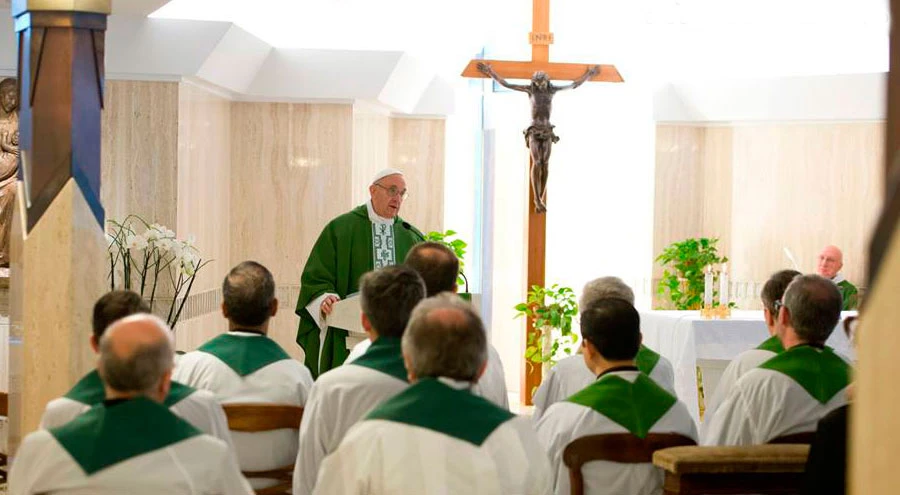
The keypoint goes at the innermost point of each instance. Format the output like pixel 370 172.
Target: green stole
pixel 635 406
pixel 341 255
pixel 90 392
pixel 384 355
pixel 108 435
pixel 820 372
pixel 849 294
pixel 771 344
pixel 646 359
pixel 439 407
pixel 244 355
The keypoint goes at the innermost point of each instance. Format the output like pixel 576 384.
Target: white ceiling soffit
pixel 819 98
pixel 247 68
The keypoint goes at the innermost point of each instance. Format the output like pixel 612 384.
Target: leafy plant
pixel 138 260
pixel 458 246
pixel 684 266
pixel 550 309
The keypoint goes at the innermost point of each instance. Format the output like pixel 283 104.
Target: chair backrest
pixel 803 438
pixel 615 447
pixel 257 417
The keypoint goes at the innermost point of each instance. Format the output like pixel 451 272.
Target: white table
pixel 683 337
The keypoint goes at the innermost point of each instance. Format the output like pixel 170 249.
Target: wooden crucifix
pixel 540 70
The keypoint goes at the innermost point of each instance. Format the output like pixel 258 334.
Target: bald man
pixel 831 260
pixel 197 407
pixel 131 443
pixel 370 236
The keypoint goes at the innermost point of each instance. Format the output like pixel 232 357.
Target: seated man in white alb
pixel 129 443
pixel 439 268
pixel 790 392
pixel 244 365
pixel 197 407
pixel 772 292
pixel 622 399
pixel 342 396
pixel 571 375
pixel 436 437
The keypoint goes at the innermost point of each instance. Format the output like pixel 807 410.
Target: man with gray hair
pixel 130 443
pixel 446 439
pixel 343 396
pixel 790 392
pixel 197 407
pixel 244 365
pixel 571 375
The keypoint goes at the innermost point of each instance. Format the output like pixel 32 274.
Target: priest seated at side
pixel 436 437
pixel 571 374
pixel 341 397
pixel 831 260
pixel 131 442
pixel 772 292
pixel 622 399
pixel 245 366
pixel 790 392
pixel 197 407
pixel 370 236
pixel 439 268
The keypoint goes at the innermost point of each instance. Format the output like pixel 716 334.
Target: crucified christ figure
pixel 539 136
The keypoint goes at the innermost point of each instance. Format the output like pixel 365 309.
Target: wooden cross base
pixel 536 249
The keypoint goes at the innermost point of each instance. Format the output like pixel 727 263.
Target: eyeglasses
pixel 394 192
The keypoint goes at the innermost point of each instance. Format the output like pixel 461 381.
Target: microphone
pixel 412 229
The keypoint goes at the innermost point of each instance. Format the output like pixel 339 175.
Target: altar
pixel 685 338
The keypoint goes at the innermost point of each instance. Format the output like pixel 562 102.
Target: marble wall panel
pixel 417 148
pixel 766 187
pixel 139 150
pixel 291 174
pixel 371 149
pixel 204 180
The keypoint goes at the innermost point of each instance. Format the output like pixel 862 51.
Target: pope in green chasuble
pixel 370 236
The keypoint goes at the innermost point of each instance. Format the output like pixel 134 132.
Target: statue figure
pixel 539 136
pixel 9 161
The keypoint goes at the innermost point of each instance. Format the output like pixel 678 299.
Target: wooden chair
pixel 259 417
pixel 803 438
pixel 615 447
pixel 762 469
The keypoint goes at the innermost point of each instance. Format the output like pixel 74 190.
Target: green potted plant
pixel 551 310
pixel 684 264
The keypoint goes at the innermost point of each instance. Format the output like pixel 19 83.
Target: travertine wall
pixel 765 187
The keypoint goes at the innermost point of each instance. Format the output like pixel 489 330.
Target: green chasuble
pixel 244 355
pixel 384 355
pixel 635 406
pixel 646 359
pixel 772 344
pixel 820 372
pixel 341 255
pixel 90 392
pixel 108 435
pixel 849 294
pixel 438 407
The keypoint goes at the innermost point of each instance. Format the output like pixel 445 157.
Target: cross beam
pixel 540 39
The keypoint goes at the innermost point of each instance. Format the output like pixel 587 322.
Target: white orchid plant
pixel 139 253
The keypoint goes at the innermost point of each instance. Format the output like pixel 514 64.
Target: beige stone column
pixel 58 263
